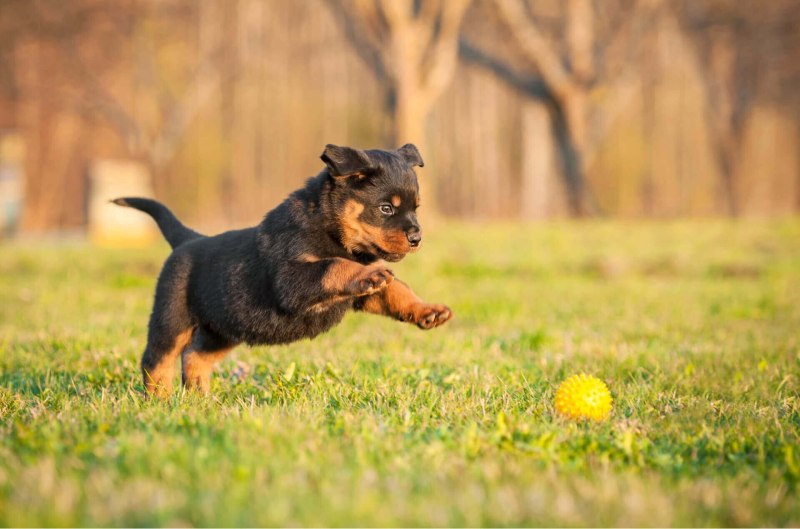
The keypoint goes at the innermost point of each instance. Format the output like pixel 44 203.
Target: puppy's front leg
pixel 399 301
pixel 315 284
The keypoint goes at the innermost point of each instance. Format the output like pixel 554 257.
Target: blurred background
pixel 522 109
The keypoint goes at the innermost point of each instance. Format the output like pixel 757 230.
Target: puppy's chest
pixel 272 327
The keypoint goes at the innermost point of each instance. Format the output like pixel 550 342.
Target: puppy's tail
pixel 173 230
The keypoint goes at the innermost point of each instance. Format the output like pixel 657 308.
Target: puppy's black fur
pixel 315 256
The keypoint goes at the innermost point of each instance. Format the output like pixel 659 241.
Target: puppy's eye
pixel 387 209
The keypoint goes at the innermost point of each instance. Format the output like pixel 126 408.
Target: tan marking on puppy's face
pixel 395 242
pixel 396 201
pixel 352 231
pixel 360 236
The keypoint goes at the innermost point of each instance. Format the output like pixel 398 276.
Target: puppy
pixel 317 255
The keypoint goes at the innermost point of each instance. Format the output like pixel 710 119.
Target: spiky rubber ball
pixel 583 397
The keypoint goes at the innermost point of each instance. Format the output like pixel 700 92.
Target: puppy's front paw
pixel 428 315
pixel 371 281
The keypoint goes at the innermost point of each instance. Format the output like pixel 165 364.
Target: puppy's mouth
pixel 362 238
pixel 385 255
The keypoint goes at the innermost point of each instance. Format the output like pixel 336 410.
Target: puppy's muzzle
pixel 414 238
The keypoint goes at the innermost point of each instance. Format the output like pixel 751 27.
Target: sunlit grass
pixel 693 325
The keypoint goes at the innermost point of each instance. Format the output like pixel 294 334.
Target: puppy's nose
pixel 414 238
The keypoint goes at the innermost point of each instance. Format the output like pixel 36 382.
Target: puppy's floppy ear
pixel 345 161
pixel 410 154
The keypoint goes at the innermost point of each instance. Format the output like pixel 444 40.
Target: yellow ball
pixel 583 397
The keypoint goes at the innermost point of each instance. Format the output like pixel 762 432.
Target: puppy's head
pixel 376 196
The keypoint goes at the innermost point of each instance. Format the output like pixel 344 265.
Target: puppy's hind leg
pixel 159 359
pixel 170 330
pixel 206 350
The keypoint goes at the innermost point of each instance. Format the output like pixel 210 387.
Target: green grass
pixel 693 325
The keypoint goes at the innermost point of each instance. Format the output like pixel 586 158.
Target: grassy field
pixel 695 326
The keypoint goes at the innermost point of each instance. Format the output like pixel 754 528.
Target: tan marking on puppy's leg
pixel 400 302
pixel 322 306
pixel 197 367
pixel 396 301
pixel 348 278
pixel 339 274
pixel 158 379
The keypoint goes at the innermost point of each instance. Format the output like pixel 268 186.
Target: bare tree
pixel 747 54
pixel 151 138
pixel 33 64
pixel 563 57
pixel 156 139
pixel 412 48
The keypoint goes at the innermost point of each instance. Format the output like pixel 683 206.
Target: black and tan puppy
pixel 315 256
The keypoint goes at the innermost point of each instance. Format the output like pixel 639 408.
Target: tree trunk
pixel 229 96
pixel 408 111
pixel 727 151
pixel 409 127
pixel 409 119
pixel 537 161
pixel 580 202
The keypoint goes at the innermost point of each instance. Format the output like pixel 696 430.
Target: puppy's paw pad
pixel 373 281
pixel 430 315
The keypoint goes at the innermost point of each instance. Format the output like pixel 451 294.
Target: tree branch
pixel 535 46
pixel 399 14
pixel 533 86
pixel 444 56
pixel 618 53
pixel 426 19
pixel 104 102
pixel 363 33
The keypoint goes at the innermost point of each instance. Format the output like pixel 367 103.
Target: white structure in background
pixel 112 225
pixel 12 154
